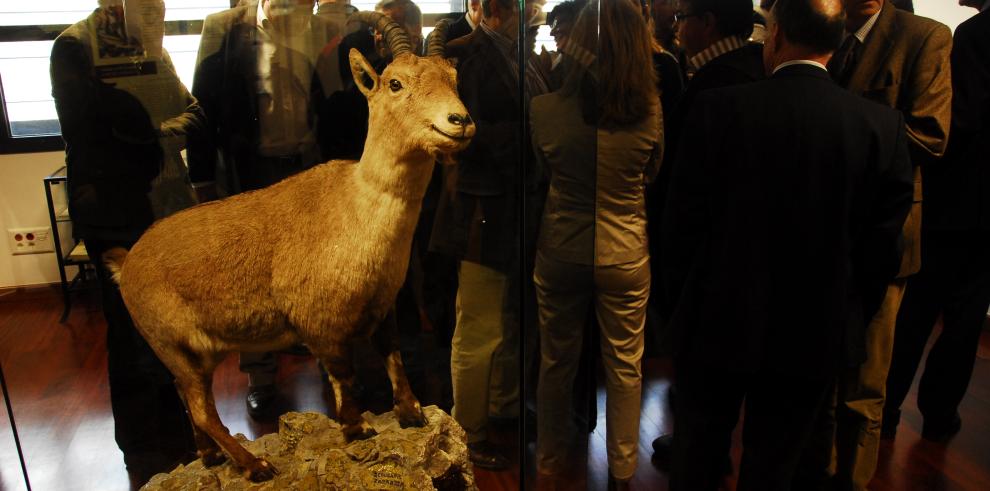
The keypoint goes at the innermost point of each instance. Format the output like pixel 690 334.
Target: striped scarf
pixel 720 48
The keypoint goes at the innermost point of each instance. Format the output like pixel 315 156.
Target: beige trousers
pixel 481 359
pixel 860 398
pixel 565 292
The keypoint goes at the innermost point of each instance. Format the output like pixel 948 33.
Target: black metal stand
pixel 13 428
pixel 59 178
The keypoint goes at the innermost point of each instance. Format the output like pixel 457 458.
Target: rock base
pixel 311 454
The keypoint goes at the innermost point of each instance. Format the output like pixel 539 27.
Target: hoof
pixel 359 432
pixel 411 418
pixel 261 470
pixel 213 457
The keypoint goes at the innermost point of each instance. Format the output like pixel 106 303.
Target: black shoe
pixel 484 456
pixel 663 449
pixel 261 401
pixel 616 484
pixel 941 431
pixel 662 446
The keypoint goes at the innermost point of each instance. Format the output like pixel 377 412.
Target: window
pixel 28 121
pixel 26 35
pixel 543 38
pixel 427 6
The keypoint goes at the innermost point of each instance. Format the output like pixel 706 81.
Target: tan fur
pixel 317 258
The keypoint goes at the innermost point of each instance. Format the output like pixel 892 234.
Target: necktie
pixel 843 62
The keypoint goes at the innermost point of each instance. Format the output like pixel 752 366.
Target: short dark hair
pixel 811 23
pixel 566 11
pixel 486 6
pixel 733 17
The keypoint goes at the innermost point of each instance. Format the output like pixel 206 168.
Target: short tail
pixel 114 260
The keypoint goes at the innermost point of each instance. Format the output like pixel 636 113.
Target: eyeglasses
pixel 681 16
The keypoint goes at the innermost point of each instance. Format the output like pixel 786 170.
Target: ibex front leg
pixel 339 364
pixel 407 407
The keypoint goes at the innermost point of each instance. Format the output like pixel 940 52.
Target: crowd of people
pixel 739 190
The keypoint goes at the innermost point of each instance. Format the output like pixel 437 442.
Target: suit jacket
pixel 904 64
pixel 595 211
pixel 671 82
pixel 459 28
pixel 225 83
pixel 740 66
pixel 476 219
pixel 112 151
pixel 345 128
pixel 957 191
pixel 783 215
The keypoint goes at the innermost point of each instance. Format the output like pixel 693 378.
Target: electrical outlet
pixel 30 240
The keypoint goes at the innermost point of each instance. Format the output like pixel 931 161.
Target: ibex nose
pixel 459 119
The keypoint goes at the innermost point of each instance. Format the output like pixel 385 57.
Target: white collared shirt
pixel 799 62
pixel 864 31
pixel 283 96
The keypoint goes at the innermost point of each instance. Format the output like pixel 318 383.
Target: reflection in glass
pixel 124 115
pixel 599 138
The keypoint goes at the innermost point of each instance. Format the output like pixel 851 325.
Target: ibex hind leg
pixel 194 378
pixel 337 360
pixel 206 448
pixel 407 407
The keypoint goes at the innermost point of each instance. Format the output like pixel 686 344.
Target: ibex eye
pixel 395 85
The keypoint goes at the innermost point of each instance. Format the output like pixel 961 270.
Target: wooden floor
pixel 57 377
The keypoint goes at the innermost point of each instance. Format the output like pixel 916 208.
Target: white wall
pixel 947 12
pixel 22 204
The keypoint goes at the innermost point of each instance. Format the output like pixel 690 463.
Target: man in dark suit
pixel 714 36
pixel 257 79
pixel 476 222
pixel 955 270
pixel 783 215
pixel 346 128
pixel 467 23
pixel 113 155
pixel 899 60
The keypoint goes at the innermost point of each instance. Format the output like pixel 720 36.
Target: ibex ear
pixel 360 68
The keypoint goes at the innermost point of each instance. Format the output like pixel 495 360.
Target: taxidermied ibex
pixel 317 258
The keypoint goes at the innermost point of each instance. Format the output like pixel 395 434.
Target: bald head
pixel 815 25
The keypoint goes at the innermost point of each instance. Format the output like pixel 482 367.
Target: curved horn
pixel 438 39
pixel 395 35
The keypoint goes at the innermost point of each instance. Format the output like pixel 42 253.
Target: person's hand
pixel 546 59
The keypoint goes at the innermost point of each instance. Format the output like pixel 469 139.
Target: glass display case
pixel 403 244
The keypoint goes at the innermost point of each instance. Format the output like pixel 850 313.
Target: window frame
pixel 27 144
pixel 49 143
